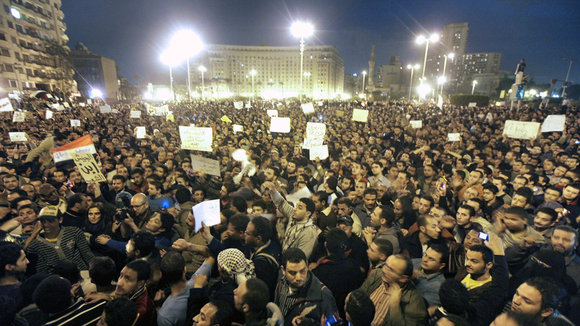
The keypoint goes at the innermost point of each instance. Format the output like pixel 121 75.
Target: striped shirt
pixel 79 314
pixel 380 297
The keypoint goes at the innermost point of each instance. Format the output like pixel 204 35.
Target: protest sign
pixel 17 136
pixel 472 104
pixel 239 105
pixel 360 115
pixel 75 123
pixel 5 105
pixel 238 128
pixel 226 119
pixel 88 167
pixel 314 134
pixel 170 117
pixel 18 116
pixel 79 145
pixel 416 124
pixel 319 151
pixel 66 105
pixel 89 101
pixel 521 129
pixel 295 197
pixel 554 122
pixel 105 109
pixel 140 132
pixel 280 124
pixel 205 165
pixel 272 113
pixel 454 137
pixel 196 138
pixel 135 114
pixel 207 212
pixel 49 114
pixel 248 105
pixel 307 108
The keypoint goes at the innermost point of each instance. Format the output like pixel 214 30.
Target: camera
pixel 121 214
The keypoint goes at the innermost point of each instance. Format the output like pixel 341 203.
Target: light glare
pixel 302 29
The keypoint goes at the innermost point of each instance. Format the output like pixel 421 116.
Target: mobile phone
pixel 69 184
pixel 577 142
pixel 443 186
pixel 484 236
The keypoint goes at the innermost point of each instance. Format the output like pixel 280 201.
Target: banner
pixel 88 167
pixel 18 116
pixel 5 105
pixel 307 108
pixel 80 145
pixel 280 124
pixel 205 165
pixel 17 136
pixel 416 124
pixel 472 104
pixel 319 151
pixel 196 138
pixel 314 134
pixel 552 123
pixel 360 115
pixel 207 212
pixel 521 129
pixel 75 123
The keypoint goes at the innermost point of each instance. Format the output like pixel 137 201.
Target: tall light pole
pixel 364 73
pixel 412 67
pixel 186 44
pixel 171 58
pixel 422 39
pixel 202 69
pixel 301 30
pixel 444 80
pixel 567 75
pixel 253 73
pixel 473 87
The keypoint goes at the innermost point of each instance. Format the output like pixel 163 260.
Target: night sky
pixel 134 32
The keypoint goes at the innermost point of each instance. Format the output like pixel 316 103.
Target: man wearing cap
pixel 52 243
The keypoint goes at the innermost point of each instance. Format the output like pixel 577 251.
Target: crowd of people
pixel 397 226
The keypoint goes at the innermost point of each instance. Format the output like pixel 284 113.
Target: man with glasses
pixel 396 300
pixel 141 211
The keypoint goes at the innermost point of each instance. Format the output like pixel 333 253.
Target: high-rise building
pixel 453 40
pixel 470 65
pixel 277 71
pixel 94 72
pixel 33 51
pixel 390 78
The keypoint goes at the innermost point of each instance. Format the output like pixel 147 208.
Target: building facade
pixel 390 78
pixel 453 40
pixel 94 72
pixel 468 67
pixel 33 51
pixel 270 71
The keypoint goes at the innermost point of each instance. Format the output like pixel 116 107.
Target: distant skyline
pixel 134 32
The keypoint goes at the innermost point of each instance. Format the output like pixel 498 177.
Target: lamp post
pixel 567 75
pixel 253 73
pixel 444 80
pixel 422 39
pixel 308 74
pixel 473 86
pixel 412 67
pixel 187 44
pixel 364 73
pixel 202 69
pixel 301 30
pixel 171 59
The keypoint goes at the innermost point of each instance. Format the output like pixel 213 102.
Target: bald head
pixel 140 203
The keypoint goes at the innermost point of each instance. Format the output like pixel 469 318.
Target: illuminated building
pixel 95 72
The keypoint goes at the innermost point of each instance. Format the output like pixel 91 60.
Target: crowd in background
pixel 398 226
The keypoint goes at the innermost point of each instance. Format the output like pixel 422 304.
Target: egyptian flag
pixel 80 145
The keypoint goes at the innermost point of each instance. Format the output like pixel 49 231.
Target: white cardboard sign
pixel 88 167
pixel 521 129
pixel 472 104
pixel 17 136
pixel 416 124
pixel 5 105
pixel 454 137
pixel 205 165
pixel 105 109
pixel 360 115
pixel 238 128
pixel 135 114
pixel 18 116
pixel 140 132
pixel 280 124
pixel 307 108
pixel 318 151
pixel 239 105
pixel 196 138
pixel 207 212
pixel 552 123
pixel 315 132
pixel 49 114
pixel 75 123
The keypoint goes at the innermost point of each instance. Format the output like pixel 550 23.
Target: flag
pixel 80 145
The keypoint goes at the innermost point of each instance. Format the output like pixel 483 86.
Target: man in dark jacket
pixel 340 273
pixel 265 252
pixel 415 244
pixel 299 289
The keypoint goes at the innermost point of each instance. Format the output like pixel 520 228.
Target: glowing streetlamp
pixel 202 69
pixel 301 30
pixel 364 73
pixel 473 87
pixel 188 44
pixel 416 66
pixel 450 56
pixel 253 73
pixel 171 58
pixel 422 39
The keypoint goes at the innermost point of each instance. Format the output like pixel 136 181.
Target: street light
pixel 422 39
pixel 188 44
pixel 253 73
pixel 202 69
pixel 171 58
pixel 450 56
pixel 364 75
pixel 473 87
pixel 416 66
pixel 301 30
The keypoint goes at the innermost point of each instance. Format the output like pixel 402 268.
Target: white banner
pixel 454 137
pixel 472 104
pixel 140 132
pixel 196 138
pixel 315 132
pixel 205 165
pixel 17 136
pixel 521 129
pixel 207 212
pixel 319 151
pixel 360 115
pixel 552 123
pixel 416 124
pixel 280 124
pixel 75 123
pixel 5 105
pixel 18 116
pixel 307 108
